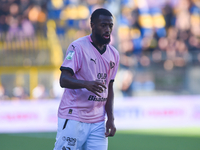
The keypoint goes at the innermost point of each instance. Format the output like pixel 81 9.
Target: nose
pixel 107 29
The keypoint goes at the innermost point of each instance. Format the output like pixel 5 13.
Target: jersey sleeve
pixel 115 68
pixel 72 60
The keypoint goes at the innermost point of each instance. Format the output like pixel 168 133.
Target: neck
pixel 96 43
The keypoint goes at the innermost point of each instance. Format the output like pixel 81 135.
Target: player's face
pixel 103 28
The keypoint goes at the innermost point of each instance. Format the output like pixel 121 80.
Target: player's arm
pixel 67 80
pixel 110 126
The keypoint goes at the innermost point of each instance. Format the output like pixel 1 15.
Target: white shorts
pixel 75 135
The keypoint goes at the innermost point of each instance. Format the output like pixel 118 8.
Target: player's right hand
pixel 95 87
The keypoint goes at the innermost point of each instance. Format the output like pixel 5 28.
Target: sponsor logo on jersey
pixel 70 55
pixel 101 75
pixel 93 60
pixel 94 98
pixel 112 64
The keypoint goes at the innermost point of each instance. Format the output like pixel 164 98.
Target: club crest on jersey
pixel 70 55
pixel 112 64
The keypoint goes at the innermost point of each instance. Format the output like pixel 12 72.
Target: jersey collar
pixel 100 51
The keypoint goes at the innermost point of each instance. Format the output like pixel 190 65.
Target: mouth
pixel 106 36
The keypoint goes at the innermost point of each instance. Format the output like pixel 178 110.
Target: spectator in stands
pixel 168 27
pixel 19 93
pixel 3 95
pixel 39 92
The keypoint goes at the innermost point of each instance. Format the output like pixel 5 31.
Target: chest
pixel 97 66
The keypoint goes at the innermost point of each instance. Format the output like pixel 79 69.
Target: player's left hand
pixel 110 128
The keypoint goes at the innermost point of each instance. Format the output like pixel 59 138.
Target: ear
pixel 92 24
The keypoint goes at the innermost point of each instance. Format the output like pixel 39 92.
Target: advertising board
pixel 130 113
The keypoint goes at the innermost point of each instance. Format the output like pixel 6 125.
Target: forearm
pixel 109 103
pixel 110 126
pixel 67 81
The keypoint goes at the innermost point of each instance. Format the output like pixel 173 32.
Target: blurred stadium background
pixel 157 87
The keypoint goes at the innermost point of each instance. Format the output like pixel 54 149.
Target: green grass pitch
pixel 157 139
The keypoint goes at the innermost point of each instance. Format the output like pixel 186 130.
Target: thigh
pixel 96 139
pixel 71 135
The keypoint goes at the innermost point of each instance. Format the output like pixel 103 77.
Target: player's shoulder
pixel 78 44
pixel 81 41
pixel 113 50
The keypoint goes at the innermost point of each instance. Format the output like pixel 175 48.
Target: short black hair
pixel 101 11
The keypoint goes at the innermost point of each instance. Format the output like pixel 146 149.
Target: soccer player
pixel 87 74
